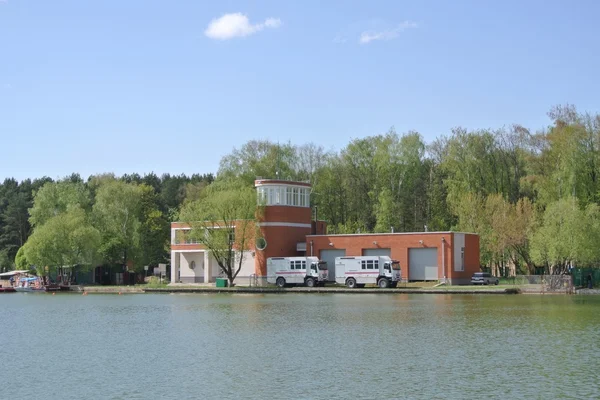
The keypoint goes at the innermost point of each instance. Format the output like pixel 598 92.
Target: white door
pixel 422 264
pixel 329 257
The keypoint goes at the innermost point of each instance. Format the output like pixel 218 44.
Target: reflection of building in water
pixel 289 227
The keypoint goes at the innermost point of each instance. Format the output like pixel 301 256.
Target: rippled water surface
pixel 299 346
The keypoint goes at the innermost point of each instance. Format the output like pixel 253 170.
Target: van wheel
pixel 383 283
pixel 280 282
pixel 309 282
pixel 497 281
pixel 351 283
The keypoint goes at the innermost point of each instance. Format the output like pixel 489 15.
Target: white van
pixel 359 271
pixel 307 271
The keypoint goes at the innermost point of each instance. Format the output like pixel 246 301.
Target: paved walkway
pixel 587 291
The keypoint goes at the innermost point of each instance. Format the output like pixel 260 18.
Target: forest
pixel 105 220
pixel 533 197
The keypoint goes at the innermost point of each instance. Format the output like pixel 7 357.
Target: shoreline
pixel 264 290
pixel 315 290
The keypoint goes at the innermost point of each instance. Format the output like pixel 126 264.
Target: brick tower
pixel 285 222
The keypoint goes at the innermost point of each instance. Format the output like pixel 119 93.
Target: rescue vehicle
pixel 307 271
pixel 362 270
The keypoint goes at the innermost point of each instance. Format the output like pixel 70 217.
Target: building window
pixel 297 264
pixel 262 195
pixel 193 265
pixel 283 195
pixel 261 243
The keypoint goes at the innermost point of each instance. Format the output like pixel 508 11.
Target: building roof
pixel 12 273
pixel 259 182
pixel 393 233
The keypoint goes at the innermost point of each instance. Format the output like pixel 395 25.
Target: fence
pixel 541 283
pixel 580 276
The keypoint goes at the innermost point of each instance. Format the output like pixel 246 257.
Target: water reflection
pixel 304 346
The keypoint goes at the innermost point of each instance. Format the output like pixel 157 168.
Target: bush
pixel 154 282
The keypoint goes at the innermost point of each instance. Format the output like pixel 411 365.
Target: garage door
pixel 377 252
pixel 422 264
pixel 329 257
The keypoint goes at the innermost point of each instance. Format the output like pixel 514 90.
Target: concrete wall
pixel 459 244
pixel 187 274
pixel 247 270
pixel 203 261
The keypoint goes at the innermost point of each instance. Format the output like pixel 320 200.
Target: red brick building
pixel 288 230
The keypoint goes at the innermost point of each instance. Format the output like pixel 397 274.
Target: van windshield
pixel 322 265
pixel 395 265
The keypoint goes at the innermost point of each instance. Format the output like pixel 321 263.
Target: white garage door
pixel 422 264
pixel 377 252
pixel 329 257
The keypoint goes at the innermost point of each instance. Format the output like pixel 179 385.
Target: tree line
pixel 533 197
pixel 105 220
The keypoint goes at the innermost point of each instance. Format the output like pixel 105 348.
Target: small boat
pixel 7 290
pixel 29 284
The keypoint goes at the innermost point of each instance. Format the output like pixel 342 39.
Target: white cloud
pixel 369 36
pixel 272 22
pixel 234 25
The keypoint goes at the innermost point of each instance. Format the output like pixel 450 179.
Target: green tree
pixel 330 192
pixel 224 222
pixel 309 159
pixel 508 228
pixel 116 214
pixel 259 158
pixel 154 229
pixel 567 236
pixel 21 262
pixel 67 239
pixel 55 198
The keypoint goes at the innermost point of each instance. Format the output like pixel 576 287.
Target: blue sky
pixel 168 86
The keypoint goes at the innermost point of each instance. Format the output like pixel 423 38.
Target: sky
pixel 139 86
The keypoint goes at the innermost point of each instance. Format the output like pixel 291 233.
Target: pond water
pixel 299 346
